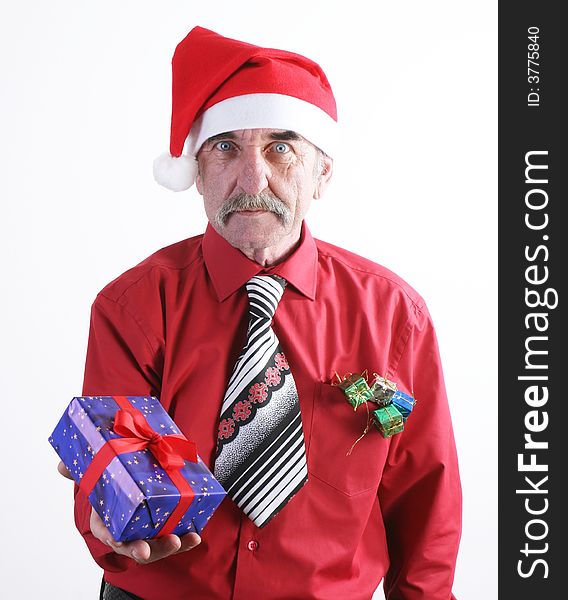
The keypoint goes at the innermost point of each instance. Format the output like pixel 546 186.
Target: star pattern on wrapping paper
pixel 141 463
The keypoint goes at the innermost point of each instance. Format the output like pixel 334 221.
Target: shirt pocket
pixel 335 428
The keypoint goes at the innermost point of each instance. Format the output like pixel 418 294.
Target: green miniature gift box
pixel 356 390
pixel 388 420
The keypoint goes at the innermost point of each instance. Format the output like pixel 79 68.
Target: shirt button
pixel 252 545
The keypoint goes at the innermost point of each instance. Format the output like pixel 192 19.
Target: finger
pixel 189 541
pixel 138 550
pixel 147 551
pixel 143 551
pixel 99 529
pixel 101 532
pixel 63 470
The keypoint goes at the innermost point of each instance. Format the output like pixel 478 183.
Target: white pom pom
pixel 176 174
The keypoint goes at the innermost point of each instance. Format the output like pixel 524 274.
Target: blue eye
pixel 281 148
pixel 224 146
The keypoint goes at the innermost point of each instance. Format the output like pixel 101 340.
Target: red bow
pixel 171 450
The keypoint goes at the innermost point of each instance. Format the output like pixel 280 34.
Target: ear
pixel 198 180
pixel 323 178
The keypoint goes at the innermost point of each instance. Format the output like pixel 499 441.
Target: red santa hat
pixel 220 84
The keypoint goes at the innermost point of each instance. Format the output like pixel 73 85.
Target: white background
pixel 84 109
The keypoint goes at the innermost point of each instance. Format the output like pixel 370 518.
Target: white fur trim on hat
pixel 271 111
pixel 175 173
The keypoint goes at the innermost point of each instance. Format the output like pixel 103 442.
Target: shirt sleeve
pixel 122 359
pixel 420 491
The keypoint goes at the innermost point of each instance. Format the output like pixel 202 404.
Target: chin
pixel 255 235
pixel 254 241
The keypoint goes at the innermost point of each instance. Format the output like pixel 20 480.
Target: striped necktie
pixel 261 458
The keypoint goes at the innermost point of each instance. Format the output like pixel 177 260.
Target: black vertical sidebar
pixel 533 268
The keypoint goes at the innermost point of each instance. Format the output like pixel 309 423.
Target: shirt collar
pixel 230 269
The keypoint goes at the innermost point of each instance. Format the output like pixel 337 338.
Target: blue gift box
pixel 134 496
pixel 404 403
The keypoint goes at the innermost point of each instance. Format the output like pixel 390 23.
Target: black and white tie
pixel 261 458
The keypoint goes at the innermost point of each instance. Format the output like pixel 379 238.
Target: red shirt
pixel 174 325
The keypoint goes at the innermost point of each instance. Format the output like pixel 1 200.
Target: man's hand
pixel 142 551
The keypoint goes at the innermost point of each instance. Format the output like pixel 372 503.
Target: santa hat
pixel 220 84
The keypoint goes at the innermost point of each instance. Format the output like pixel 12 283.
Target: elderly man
pixel 244 334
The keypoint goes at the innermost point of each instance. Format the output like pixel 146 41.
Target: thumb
pixel 63 470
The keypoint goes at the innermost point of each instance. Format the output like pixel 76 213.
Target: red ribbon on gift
pixel 171 451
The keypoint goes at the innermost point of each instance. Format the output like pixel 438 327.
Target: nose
pixel 254 171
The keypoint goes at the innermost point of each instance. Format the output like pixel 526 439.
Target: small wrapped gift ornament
pixel 383 390
pixel 141 475
pixel 388 420
pixel 356 389
pixel 404 403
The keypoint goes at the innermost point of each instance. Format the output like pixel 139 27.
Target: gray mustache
pixel 261 201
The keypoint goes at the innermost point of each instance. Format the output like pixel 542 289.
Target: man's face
pixel 258 184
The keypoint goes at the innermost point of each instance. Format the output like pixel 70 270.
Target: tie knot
pixel 264 292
